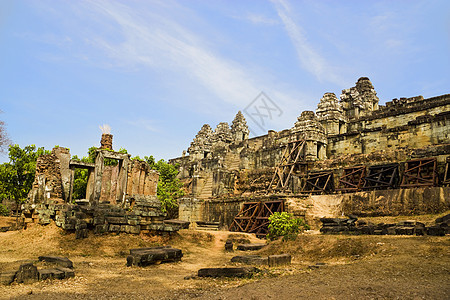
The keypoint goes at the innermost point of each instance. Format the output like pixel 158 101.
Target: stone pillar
pixel 106 141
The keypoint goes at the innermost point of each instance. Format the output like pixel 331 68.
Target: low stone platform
pixel 227 272
pixel 271 260
pixel 147 256
pixel 251 260
pixel 250 247
pixel 61 261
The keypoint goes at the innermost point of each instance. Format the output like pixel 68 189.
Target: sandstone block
pixel 152 255
pixel 59 260
pixel 251 260
pixel 279 260
pixel 229 246
pixel 27 273
pixel 81 233
pixel 250 247
pixel 67 272
pixel 6 278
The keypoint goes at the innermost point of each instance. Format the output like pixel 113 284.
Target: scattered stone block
pixel 181 224
pixel 226 272
pixel 60 261
pixel 67 272
pixel 45 274
pixel 229 246
pixel 6 278
pixel 81 233
pixel 27 273
pixel 250 247
pixel 56 273
pixel 279 260
pixel 147 256
pixel 251 260
pixel 100 229
pixel 436 230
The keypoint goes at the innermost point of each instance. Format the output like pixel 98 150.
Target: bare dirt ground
pixel 357 267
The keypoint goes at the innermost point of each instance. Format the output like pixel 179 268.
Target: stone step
pixel 207 228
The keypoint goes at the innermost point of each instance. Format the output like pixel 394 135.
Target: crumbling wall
pixel 142 180
pixel 120 198
pixel 47 183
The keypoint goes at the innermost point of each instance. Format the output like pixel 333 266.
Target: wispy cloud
pixel 257 19
pixel 145 39
pixel 154 41
pixel 146 124
pixel 309 58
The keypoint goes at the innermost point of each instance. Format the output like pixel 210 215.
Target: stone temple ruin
pixel 119 198
pixel 350 156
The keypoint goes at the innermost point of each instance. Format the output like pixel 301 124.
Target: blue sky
pixel 156 71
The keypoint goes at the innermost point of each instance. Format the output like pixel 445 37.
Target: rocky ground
pixel 356 267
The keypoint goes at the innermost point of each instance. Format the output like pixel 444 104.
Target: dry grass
pixel 418 264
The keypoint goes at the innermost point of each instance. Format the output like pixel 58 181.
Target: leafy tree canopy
pixel 17 176
pixel 283 224
pixel 169 186
pixel 4 140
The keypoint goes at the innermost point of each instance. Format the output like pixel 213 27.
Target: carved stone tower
pixel 201 145
pixel 330 114
pixel 239 128
pixel 359 100
pixel 308 128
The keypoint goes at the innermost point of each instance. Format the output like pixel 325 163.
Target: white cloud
pixel 148 125
pixel 155 41
pixel 309 57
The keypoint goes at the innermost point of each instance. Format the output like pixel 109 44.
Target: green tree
pixel 4 140
pixel 17 176
pixel 283 224
pixel 169 186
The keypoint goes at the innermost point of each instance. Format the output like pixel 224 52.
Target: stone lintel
pixel 80 164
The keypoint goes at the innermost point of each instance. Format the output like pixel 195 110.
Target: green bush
pixel 283 224
pixel 4 211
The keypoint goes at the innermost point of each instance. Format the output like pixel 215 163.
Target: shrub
pixel 285 225
pixel 4 211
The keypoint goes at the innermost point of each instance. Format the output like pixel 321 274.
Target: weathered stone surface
pixel 6 278
pixel 279 260
pixel 153 255
pixel 229 246
pixel 81 233
pixel 45 274
pixel 179 223
pixel 226 272
pixel 60 261
pixel 250 247
pixel 27 273
pixel 67 272
pixel 251 260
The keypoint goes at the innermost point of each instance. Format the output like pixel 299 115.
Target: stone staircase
pixel 207 225
pixel 206 191
pixel 233 161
